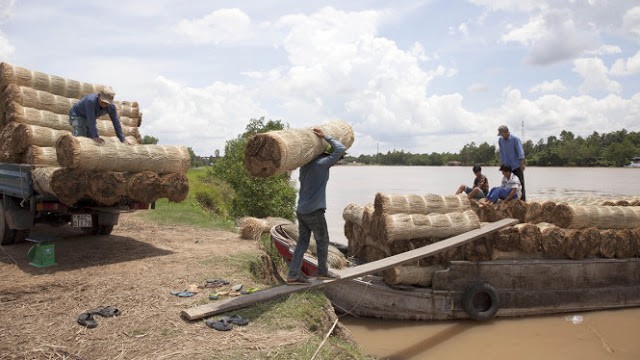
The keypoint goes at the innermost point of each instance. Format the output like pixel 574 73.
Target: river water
pixel 590 335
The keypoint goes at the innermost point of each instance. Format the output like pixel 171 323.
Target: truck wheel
pixel 480 301
pixel 104 229
pixel 6 234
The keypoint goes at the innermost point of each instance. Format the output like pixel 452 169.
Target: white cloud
pixel 202 117
pixel 478 88
pixel 631 21
pixel 604 50
pixel 6 9
pixel 548 87
pixel 595 76
pixel 509 5
pixel 552 36
pixel 630 66
pixel 222 26
pixel 6 48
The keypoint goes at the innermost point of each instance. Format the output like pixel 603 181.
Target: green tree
pixel 258 197
pixel 149 140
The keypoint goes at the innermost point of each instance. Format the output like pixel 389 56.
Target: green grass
pixel 188 211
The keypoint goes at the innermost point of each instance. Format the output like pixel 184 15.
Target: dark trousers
pixel 520 174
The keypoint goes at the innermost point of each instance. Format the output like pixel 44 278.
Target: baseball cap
pixel 106 95
pixel 502 128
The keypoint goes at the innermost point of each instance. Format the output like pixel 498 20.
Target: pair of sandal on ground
pixel 225 323
pixel 303 280
pixel 86 318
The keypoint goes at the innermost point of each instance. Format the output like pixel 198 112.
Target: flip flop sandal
pixel 86 319
pixel 107 311
pixel 218 325
pixel 237 320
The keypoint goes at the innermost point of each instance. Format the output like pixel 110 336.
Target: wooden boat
pixel 482 290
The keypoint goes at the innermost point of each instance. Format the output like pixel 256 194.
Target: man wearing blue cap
pixel 312 203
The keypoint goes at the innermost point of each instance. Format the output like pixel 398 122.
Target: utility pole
pixel 523 131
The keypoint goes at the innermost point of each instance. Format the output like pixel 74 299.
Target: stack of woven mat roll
pixel 35 130
pixel 548 230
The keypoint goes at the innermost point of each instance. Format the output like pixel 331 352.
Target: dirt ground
pixel 135 269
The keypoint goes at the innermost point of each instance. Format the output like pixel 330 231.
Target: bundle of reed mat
pixel 601 217
pixel 42 156
pixel 14 112
pixel 43 100
pixel 68 185
pixel 174 186
pixel 252 228
pixel 411 275
pixel 106 187
pixel 515 209
pixel 534 213
pixel 552 241
pixel 143 186
pixel 420 204
pixel 276 152
pixel 578 243
pixel 399 227
pixel 353 230
pixel 84 153
pixel 10 74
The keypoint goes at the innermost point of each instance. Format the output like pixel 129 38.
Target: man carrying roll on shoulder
pixel 312 203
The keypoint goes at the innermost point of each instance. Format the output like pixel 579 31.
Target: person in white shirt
pixel 510 189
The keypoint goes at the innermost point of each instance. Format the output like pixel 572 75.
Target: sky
pixel 421 76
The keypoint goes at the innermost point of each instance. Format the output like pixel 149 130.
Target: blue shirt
pixel 89 108
pixel 511 151
pixel 314 177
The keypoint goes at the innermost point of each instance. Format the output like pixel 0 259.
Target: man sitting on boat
pixel 510 188
pixel 312 203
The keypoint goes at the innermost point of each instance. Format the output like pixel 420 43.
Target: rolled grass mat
pixel 578 242
pixel 353 213
pixel 390 204
pixel 84 153
pixel 515 255
pixel 534 213
pixel 399 227
pixel 515 209
pixel 506 239
pixel 143 186
pixel 68 185
pixel 174 186
pixel 478 250
pixel 529 238
pixel 547 211
pixel 15 112
pixel 38 155
pixel 43 100
pixel 486 211
pixel 276 152
pixel 410 275
pixel 608 244
pixel 626 244
pixel 601 217
pixel 551 241
pixel 106 187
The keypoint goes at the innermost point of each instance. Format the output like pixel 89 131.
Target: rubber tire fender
pixel 485 293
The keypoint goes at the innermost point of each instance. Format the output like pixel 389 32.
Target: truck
pixel 21 208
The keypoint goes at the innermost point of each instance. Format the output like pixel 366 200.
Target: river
pixel 590 335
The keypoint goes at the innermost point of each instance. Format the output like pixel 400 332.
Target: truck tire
pixel 104 229
pixel 480 301
pixel 6 235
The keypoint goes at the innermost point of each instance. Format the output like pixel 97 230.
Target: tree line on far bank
pixel 613 149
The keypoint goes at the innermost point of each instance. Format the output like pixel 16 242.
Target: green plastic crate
pixel 42 255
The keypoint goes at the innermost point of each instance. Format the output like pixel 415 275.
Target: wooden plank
pixel 218 307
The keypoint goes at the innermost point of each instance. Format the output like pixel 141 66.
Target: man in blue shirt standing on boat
pixel 312 203
pixel 512 154
pixel 83 115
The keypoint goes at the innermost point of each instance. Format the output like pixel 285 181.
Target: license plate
pixel 81 220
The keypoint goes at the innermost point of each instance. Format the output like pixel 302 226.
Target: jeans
pixel 499 193
pixel 311 223
pixel 78 125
